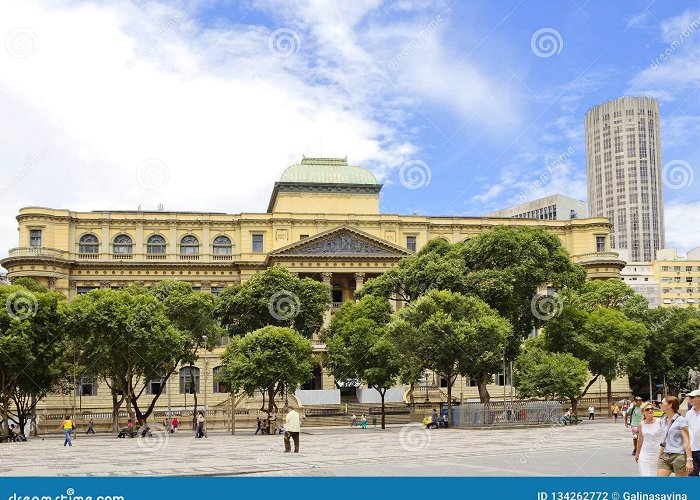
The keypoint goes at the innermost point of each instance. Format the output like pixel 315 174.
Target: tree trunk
pixel 382 393
pixel 411 397
pixel 574 404
pixel 450 381
pixel 481 382
pixel 609 384
pixel 33 427
pixel 116 404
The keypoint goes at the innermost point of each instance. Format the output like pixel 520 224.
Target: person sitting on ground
pixel 145 429
pixel 266 427
pixel 16 433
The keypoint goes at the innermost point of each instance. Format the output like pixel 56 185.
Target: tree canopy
pixel 451 334
pixel 358 347
pixel 274 297
pixel 271 360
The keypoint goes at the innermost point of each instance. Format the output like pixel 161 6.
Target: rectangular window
pixel 303 236
pixel 411 243
pixel 35 238
pixel 689 268
pixel 85 289
pixel 665 268
pixel 258 243
pixel 600 243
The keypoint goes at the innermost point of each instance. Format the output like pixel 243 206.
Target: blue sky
pixel 457 108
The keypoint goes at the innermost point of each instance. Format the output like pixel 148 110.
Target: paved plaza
pixel 589 449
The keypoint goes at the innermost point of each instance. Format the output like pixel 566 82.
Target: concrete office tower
pixel 623 167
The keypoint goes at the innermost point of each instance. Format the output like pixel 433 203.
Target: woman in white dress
pixel 648 441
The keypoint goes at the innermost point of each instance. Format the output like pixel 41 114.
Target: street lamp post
pixel 206 372
pixel 75 390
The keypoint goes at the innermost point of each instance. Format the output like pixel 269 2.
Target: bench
pixel 125 432
pixel 571 420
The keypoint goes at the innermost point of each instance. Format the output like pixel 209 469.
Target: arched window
pixel 122 244
pixel 189 380
pixel 155 244
pixel 222 245
pixel 89 244
pixel 189 245
pixel 219 387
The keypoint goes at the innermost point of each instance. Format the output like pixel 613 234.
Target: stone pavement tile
pixel 596 449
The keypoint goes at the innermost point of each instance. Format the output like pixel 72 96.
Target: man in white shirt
pixel 591 413
pixel 693 418
pixel 292 427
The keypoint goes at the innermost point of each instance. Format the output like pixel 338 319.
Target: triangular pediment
pixel 342 241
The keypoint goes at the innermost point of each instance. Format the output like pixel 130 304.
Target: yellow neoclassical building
pixel 323 221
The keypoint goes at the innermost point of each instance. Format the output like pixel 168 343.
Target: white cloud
pixel 103 87
pixel 679 217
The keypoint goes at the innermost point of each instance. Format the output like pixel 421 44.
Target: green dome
pixel 327 171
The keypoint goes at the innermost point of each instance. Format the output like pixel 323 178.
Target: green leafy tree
pixel 504 267
pixel 358 347
pixel 33 345
pixel 127 336
pixel 414 276
pixel 271 360
pixel 550 375
pixel 274 297
pixel 452 334
pixel 673 349
pixel 606 339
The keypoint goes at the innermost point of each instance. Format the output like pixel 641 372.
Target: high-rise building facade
pixel 554 207
pixel 623 166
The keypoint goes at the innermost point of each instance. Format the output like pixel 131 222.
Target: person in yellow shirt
pixel 67 426
pixel 615 410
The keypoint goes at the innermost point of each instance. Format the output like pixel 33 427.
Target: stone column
pixel 326 315
pixel 138 242
pixel 359 281
pixel 172 242
pixel 206 244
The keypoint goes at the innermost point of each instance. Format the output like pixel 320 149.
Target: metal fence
pixel 506 414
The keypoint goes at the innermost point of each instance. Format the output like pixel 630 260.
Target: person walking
pixel 647 455
pixel 363 421
pixel 633 418
pixel 259 428
pixel 591 413
pixel 201 430
pixel 354 421
pixel 91 428
pixel 676 456
pixel 614 409
pixel 292 425
pixel 693 418
pixel 67 426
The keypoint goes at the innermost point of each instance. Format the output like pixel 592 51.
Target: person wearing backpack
pixel 633 417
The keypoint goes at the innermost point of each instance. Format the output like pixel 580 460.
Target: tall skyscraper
pixel 623 167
